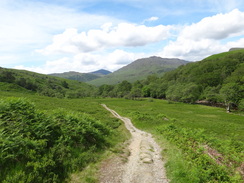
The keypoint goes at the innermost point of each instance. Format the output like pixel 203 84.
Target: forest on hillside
pixel 216 79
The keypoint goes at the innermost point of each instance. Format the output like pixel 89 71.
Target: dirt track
pixel 144 163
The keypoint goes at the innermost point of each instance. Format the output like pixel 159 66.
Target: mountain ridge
pixel 140 69
pixel 83 77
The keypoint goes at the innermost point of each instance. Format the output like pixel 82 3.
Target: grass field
pixel 212 119
pixel 200 143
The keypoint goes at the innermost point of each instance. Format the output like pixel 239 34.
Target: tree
pixel 190 93
pixel 211 94
pixel 7 76
pixel 135 93
pixel 65 84
pixel 123 88
pixel 174 92
pixel 105 90
pixel 231 94
pixel 146 91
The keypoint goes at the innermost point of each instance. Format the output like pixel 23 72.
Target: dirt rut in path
pixel 144 163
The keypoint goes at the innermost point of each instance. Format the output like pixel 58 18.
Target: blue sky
pixel 86 35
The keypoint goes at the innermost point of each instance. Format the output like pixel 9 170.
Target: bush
pixel 39 147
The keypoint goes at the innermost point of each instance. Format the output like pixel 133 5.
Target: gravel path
pixel 144 163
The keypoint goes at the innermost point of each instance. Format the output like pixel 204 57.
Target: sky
pixel 55 36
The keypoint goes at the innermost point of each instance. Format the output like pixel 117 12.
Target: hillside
pixel 216 79
pixel 83 77
pixel 26 81
pixel 140 69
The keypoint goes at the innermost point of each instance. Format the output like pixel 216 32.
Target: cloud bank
pixel 122 35
pixel 204 38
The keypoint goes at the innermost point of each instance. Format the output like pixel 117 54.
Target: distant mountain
pixel 140 69
pixel 83 77
pixel 101 72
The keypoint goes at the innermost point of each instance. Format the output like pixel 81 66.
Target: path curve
pixel 144 164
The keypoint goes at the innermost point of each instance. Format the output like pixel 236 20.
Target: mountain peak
pixel 101 72
pixel 140 69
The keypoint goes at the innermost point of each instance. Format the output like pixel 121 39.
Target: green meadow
pixel 199 143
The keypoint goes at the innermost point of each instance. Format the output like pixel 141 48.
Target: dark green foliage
pixel 209 75
pixel 106 90
pixel 187 93
pixel 65 84
pixel 123 88
pixel 26 83
pixel 40 147
pixel 6 76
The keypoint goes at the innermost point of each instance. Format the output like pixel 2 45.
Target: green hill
pixel 26 81
pixel 83 77
pixel 139 70
pixel 218 78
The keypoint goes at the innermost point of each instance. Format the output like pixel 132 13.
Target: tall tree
pixel 232 93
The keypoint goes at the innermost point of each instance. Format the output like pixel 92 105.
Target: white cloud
pixel 235 44
pixel 120 57
pixel 124 34
pixel 26 25
pixel 192 50
pixel 204 38
pixel 151 19
pixel 216 27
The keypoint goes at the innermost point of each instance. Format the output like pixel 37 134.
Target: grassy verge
pixel 202 144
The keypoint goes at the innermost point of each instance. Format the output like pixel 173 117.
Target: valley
pixel 56 130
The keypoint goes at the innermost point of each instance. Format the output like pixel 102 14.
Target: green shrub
pixel 40 147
